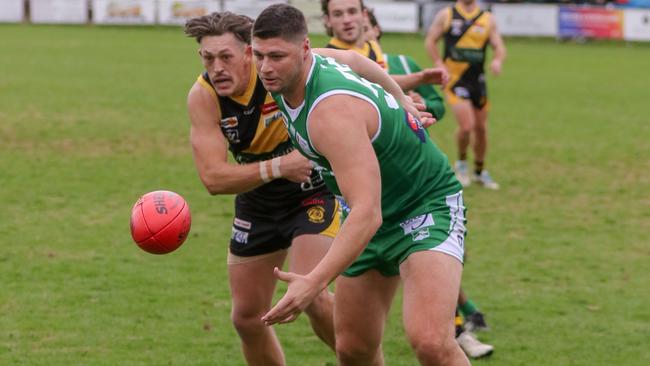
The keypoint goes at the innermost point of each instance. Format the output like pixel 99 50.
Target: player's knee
pixel 247 322
pixel 480 128
pixel 435 349
pixel 465 128
pixel 355 349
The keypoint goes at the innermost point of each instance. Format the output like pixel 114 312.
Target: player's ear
pixel 306 46
pixel 248 51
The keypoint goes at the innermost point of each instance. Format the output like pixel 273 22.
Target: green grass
pixel 92 117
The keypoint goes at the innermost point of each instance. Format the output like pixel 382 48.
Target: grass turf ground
pixel 92 117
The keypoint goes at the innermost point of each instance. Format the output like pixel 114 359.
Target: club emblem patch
pixel 316 214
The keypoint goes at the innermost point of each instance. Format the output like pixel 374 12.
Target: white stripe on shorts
pixel 454 245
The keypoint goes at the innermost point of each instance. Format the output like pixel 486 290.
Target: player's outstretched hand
pixel 434 75
pixel 418 110
pixel 300 293
pixel 295 167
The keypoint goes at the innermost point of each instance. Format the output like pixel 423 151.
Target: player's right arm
pixel 210 151
pixel 340 128
pixel 435 32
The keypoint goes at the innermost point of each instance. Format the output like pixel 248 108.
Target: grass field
pixel 93 117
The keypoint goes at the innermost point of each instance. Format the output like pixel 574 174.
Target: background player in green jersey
pixel 405 215
pixel 405 65
pixel 467 30
pixel 344 21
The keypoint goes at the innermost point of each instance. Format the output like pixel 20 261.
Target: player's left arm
pixel 430 97
pixel 340 128
pixel 499 47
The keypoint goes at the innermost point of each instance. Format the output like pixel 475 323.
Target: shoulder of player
pixel 200 100
pixel 339 107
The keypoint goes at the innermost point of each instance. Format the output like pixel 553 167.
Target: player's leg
pixel 305 253
pixel 361 307
pixel 431 282
pixel 252 286
pixel 463 112
pixel 480 134
pixel 474 318
pixel 312 226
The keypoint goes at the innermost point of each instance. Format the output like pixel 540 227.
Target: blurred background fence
pixel 620 19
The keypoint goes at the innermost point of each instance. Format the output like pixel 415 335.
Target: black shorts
pixel 468 87
pixel 257 231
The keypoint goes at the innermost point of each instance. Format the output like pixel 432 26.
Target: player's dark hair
pixel 324 7
pixel 220 23
pixel 280 21
pixel 373 22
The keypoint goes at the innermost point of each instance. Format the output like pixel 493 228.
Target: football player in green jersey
pixel 282 208
pixel 423 93
pixel 403 207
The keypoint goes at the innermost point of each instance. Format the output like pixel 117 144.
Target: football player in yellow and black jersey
pixel 281 202
pixel 467 30
pixel 344 23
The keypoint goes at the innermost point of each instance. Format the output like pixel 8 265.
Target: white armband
pixel 263 173
pixel 275 167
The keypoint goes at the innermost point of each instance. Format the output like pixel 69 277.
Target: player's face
pixel 370 32
pixel 279 63
pixel 227 61
pixel 345 17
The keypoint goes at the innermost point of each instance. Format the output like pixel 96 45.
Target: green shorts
pixel 441 229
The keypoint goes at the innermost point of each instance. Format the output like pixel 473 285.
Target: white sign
pixel 179 11
pixel 59 11
pixel 313 14
pixel 11 11
pixel 250 8
pixel 636 25
pixel 526 19
pixel 124 12
pixel 396 17
pixel 429 11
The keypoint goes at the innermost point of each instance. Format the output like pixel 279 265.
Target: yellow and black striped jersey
pixel 254 127
pixel 466 35
pixel 251 122
pixel 370 49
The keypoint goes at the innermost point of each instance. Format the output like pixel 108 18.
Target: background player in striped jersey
pixel 467 30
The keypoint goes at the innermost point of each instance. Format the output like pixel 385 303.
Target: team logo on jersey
pixel 229 126
pixel 478 29
pixel 416 224
pixel 316 214
pixel 270 119
pixel 230 122
pixel 457 27
pixel 344 205
pixel 304 146
pixel 270 107
pixel 416 126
